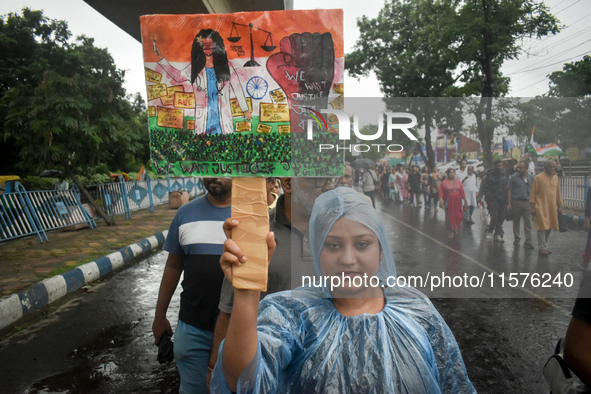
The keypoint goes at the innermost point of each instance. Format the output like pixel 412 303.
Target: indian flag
pixel 550 150
pixel 531 148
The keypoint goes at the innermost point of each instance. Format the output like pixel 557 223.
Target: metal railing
pixel 24 213
pixel 125 197
pixel 573 190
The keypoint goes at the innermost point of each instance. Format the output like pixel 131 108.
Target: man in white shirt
pixel 462 175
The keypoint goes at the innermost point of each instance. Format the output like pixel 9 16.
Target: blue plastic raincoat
pixel 307 346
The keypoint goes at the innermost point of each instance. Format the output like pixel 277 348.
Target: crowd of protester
pixel 510 190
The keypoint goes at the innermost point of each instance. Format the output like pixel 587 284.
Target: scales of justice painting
pixel 231 94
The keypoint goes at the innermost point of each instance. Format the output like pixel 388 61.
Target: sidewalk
pixel 26 262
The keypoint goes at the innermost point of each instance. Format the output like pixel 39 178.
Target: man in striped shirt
pixel 195 244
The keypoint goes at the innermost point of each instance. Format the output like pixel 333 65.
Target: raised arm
pixel 241 341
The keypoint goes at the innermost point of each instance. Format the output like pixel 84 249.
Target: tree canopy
pixel 430 48
pixel 62 102
pixel 573 81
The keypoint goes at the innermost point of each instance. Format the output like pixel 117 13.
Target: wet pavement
pixel 100 341
pixel 26 261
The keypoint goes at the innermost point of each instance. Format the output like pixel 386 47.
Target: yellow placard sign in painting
pixel 190 124
pixel 152 76
pixel 243 126
pixel 156 91
pixel 264 128
pixel 184 100
pixel 283 129
pixel 278 95
pixel 338 103
pixel 151 111
pixel 339 88
pixel 332 119
pixel 169 98
pixel 236 110
pixel 168 117
pixel 274 112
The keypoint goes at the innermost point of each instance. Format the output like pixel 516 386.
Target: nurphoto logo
pixel 395 121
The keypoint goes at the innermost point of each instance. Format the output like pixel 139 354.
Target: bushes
pixel 39 183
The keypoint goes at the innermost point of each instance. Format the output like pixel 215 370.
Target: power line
pixel 543 63
pixel 567 7
pixel 535 43
pixel 548 65
pixel 529 86
pixel 545 78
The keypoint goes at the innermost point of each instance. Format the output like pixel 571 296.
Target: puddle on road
pixel 97 363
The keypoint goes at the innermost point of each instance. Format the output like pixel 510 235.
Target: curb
pixel 20 304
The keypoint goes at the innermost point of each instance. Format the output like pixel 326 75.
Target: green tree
pixel 573 81
pixel 63 103
pixel 460 47
pixel 572 89
pixel 407 47
pixel 563 114
pixel 489 33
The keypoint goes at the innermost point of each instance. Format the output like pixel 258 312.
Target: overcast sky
pixel 528 73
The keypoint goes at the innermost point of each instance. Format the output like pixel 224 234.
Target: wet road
pixel 101 340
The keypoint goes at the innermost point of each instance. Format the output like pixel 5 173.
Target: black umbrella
pixel 363 163
pixel 51 174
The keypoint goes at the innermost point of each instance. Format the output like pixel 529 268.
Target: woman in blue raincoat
pixel 359 336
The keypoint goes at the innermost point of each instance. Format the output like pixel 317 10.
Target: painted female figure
pixel 214 82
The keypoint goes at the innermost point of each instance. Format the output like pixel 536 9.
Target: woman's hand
pixel 241 338
pixel 232 254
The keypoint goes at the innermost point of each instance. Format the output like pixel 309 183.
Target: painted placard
pixel 283 129
pixel 237 92
pixel 274 112
pixel 156 91
pixel 153 76
pixel 278 96
pixel 236 110
pixel 184 100
pixel 264 128
pixel 168 100
pixel 168 117
pixel 241 127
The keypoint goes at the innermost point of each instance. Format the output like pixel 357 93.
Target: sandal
pixel 545 252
